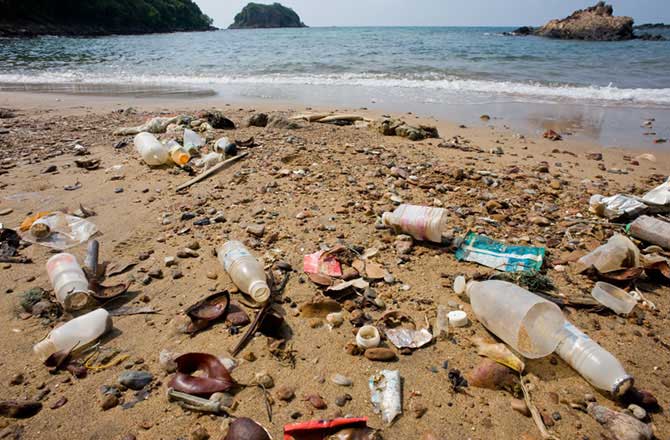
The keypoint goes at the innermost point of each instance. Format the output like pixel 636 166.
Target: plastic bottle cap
pixel 459 285
pixel 368 337
pixel 458 318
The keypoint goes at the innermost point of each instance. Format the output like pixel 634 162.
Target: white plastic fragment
pixel 386 394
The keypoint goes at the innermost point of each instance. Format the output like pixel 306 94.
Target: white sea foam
pixel 523 90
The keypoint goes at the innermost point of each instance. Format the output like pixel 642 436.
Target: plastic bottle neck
pixel 259 291
pixel 387 218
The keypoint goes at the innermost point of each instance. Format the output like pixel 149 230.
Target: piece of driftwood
pixel 215 169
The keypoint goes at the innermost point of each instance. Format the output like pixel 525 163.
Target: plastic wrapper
pixel 659 195
pixel 60 231
pixel 192 141
pixel 494 254
pixel 616 206
pixel 209 160
pixel 386 394
pixel 409 338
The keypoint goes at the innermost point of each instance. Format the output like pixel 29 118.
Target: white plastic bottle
pixel 77 332
pixel 153 152
pixel 598 366
pixel 421 222
pixel 245 270
pixel 69 281
pixel 529 324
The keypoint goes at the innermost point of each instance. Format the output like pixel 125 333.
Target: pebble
pixel 170 261
pixel 341 380
pixel 380 354
pixel 135 380
pixel 540 221
pixel 17 379
pixel 343 399
pixel 129 437
pixel 187 253
pixel 295 415
pixel 109 401
pixel 6 211
pixel 212 275
pixel 177 274
pixel 200 434
pixel 194 245
pixel 285 393
pixel 264 379
pixel 155 273
pixel 256 230
pixel 638 412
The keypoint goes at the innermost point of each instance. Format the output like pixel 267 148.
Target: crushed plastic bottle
pixel 529 324
pixel 69 281
pixel 75 333
pixel 651 230
pixel 245 270
pixel 179 155
pixel 386 394
pixel 618 253
pixel 595 364
pixel 152 151
pixel 421 222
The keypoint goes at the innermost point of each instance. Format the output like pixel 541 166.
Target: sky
pixel 438 12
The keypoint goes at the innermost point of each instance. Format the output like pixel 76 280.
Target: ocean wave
pixel 429 82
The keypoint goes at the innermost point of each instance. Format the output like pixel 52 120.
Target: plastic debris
pixel 617 254
pixel 322 263
pixel 409 338
pixel 659 195
pixel 192 141
pixel 615 299
pixel 386 394
pixel 368 337
pixel 60 231
pixel 616 206
pixel 494 254
pixel 155 125
pixel 339 429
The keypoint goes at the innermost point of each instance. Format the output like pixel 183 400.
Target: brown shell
pixel 215 378
pixel 246 429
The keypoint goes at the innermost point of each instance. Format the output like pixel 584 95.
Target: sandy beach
pixel 313 187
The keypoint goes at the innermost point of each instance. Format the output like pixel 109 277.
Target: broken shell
pixel 499 353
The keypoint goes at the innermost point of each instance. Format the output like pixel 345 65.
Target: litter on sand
pixel 494 254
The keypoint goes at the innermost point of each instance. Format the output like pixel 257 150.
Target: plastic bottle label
pixel 414 220
pixel 233 255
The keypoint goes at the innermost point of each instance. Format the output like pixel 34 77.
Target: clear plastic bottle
pixel 245 270
pixel 153 152
pixel 529 324
pixel 77 332
pixel 69 281
pixel 421 222
pixel 178 154
pixel 598 366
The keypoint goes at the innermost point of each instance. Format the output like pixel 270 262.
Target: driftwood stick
pixel 215 169
pixel 537 418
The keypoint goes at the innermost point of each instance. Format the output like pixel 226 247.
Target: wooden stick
pixel 211 171
pixel 537 418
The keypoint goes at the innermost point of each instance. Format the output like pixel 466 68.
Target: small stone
pixel 594 156
pixel 556 416
pixel 418 409
pixel 212 275
pixel 135 380
pixel 285 393
pixel 50 169
pixel 380 354
pixel 146 424
pixel 256 230
pixel 264 379
pixel 170 261
pixel 109 401
pixel 194 245
pixel 200 434
pixel 555 184
pixel 249 356
pixel 17 379
pixel 155 273
pixel 638 412
pixel 589 397
pixel 144 256
pixel 295 415
pixel 118 190
pixel 129 437
pixel 520 406
pixel 540 221
pixel 6 211
pixel 177 274
pixel 187 253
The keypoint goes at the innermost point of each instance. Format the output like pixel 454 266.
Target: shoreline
pixel 582 126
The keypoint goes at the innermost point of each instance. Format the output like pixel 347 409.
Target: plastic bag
pixel 616 206
pixel 209 160
pixel 60 231
pixel 618 253
pixel 386 394
pixel 659 195
pixel 192 141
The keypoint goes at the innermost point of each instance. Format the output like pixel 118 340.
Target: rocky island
pixel 257 16
pixel 100 17
pixel 597 23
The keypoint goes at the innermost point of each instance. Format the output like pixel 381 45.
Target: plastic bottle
pixel 598 366
pixel 421 222
pixel 651 230
pixel 153 152
pixel 529 324
pixel 618 253
pixel 69 281
pixel 77 332
pixel 178 154
pixel 245 271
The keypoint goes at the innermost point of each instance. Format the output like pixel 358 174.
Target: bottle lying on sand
pixel 598 366
pixel 245 270
pixel 78 332
pixel 651 230
pixel 421 222
pixel 69 281
pixel 528 323
pixel 152 151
